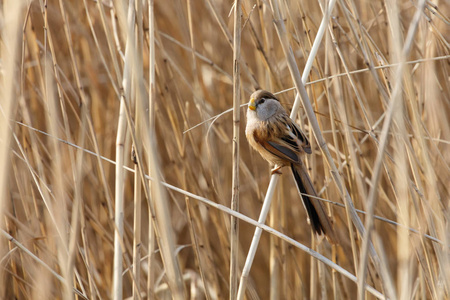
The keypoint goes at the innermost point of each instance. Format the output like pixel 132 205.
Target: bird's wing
pixel 300 136
pixel 285 140
pixel 280 150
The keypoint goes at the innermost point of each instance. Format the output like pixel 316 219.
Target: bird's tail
pixel 317 215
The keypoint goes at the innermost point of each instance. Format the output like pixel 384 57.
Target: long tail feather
pixel 316 212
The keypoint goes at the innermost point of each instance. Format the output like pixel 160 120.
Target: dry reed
pixel 83 81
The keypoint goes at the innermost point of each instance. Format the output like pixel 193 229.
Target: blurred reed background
pixel 84 80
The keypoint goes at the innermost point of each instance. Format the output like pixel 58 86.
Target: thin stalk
pixel 140 126
pixel 120 154
pixel 158 201
pixel 234 228
pixel 137 213
pixel 162 222
pixel 119 190
pixel 57 208
pixel 257 235
pixel 42 263
pixel 151 121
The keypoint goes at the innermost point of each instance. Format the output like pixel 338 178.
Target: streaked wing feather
pixel 280 151
pixel 289 140
pixel 302 137
pixel 285 151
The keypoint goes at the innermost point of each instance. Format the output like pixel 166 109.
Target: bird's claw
pixel 276 170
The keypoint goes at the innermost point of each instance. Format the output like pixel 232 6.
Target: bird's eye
pixel 262 101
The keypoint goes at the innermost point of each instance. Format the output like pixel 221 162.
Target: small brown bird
pixel 280 141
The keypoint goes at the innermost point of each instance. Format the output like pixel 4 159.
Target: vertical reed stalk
pixel 141 121
pixel 120 155
pixel 151 128
pixel 234 228
pixel 10 55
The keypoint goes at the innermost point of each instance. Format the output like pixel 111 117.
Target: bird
pixel 280 141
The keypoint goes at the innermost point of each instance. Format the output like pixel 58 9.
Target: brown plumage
pixel 281 142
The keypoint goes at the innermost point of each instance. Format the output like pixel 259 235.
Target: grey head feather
pixel 267 104
pixel 266 108
pixel 260 94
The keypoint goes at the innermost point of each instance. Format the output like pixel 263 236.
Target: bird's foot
pixel 276 170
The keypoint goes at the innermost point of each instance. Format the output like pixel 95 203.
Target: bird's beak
pixel 252 104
